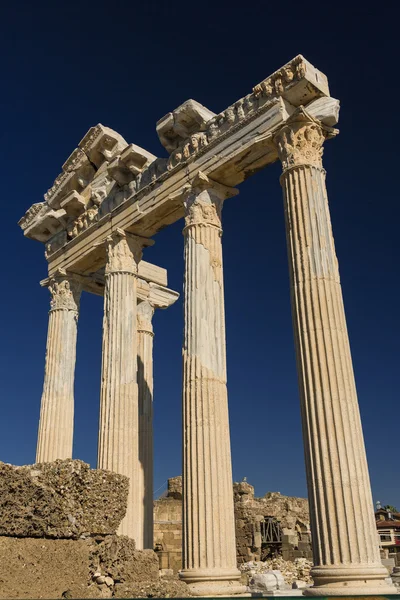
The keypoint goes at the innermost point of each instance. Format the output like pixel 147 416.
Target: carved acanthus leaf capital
pixel 124 252
pixel 145 312
pixel 203 200
pixel 65 292
pixel 300 141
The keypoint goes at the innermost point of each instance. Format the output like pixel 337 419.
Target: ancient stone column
pixel 56 423
pixel 119 428
pixel 345 548
pixel 209 549
pixel 145 311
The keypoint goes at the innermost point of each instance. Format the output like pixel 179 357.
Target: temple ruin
pixel 96 221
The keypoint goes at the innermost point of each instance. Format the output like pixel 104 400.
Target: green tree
pixel 390 508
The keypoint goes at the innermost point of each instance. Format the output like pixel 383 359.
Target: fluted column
pixel 209 549
pixel 119 428
pixel 145 312
pixel 56 423
pixel 345 548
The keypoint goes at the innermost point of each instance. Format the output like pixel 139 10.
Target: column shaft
pixel 346 554
pixel 118 431
pixel 209 549
pixel 145 385
pixel 57 405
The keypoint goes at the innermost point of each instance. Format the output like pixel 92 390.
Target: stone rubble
pixel 396 576
pixel 296 571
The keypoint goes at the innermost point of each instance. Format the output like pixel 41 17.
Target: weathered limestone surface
pixel 63 499
pixel 46 568
pixel 345 548
pixel 117 557
pixel 145 334
pixel 57 406
pixel 119 415
pixel 209 557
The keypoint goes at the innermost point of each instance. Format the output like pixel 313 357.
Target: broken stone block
pixel 61 499
pixel 298 584
pixel 117 558
pixel 264 582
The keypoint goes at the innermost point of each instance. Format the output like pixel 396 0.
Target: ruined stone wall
pixel 291 513
pixel 168 526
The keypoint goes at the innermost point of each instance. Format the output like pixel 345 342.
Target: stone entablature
pixel 105 175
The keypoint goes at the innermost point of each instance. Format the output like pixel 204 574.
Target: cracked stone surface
pixel 62 499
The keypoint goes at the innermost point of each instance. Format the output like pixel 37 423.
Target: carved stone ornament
pixel 203 201
pixel 202 212
pixel 145 312
pixel 123 252
pixel 65 293
pixel 300 141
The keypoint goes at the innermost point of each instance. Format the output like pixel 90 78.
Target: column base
pixel 350 581
pixel 213 582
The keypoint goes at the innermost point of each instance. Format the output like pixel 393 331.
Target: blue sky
pixel 68 66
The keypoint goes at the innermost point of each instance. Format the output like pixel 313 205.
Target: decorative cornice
pixel 30 215
pixel 296 80
pixel 65 292
pixel 279 84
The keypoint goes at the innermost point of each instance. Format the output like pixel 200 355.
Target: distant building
pixel 388 526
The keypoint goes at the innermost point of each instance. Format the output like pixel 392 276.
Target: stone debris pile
pixel 396 576
pixel 290 572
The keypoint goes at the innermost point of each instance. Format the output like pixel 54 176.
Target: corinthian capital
pixel 124 251
pixel 145 312
pixel 300 141
pixel 203 200
pixel 65 292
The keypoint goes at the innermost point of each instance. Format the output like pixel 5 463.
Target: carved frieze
pixel 284 82
pixel 84 221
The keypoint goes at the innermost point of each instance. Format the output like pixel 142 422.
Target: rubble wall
pixel 292 513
